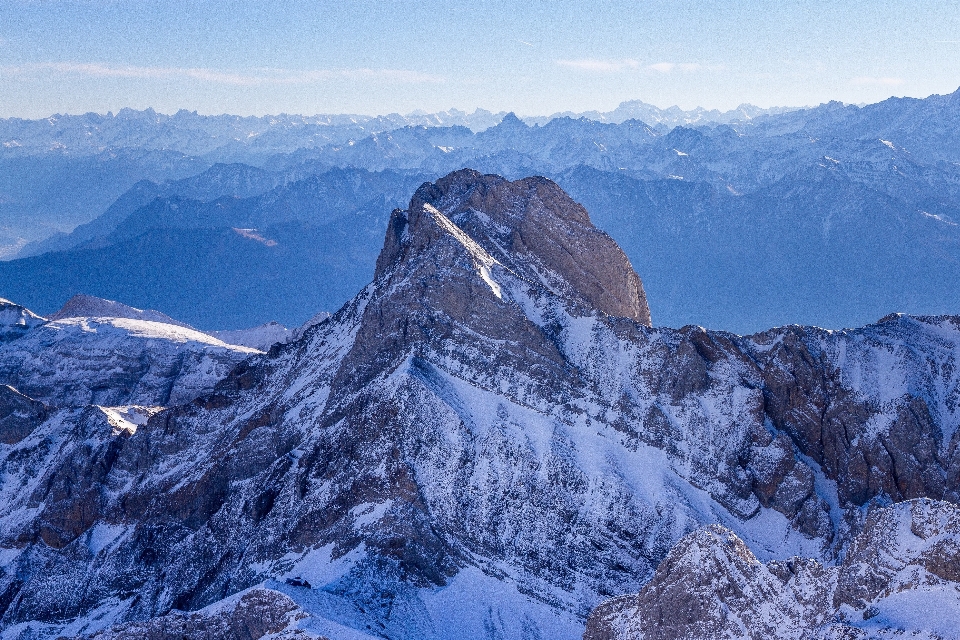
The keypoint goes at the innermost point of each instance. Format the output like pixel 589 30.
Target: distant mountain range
pixel 61 171
pixel 193 134
pixel 229 262
pixel 834 216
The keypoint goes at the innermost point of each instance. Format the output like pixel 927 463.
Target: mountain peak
pixel 511 120
pixel 83 306
pixel 529 227
pixel 15 320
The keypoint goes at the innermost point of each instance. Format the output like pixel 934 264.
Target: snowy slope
pixel 112 361
pixel 488 441
pixel 84 306
pixel 16 320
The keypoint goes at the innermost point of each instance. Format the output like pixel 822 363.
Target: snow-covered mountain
pixel 193 134
pixel 488 441
pixel 16 320
pixel 84 306
pixel 80 360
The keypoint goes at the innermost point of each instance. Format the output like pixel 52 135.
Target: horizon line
pixel 451 110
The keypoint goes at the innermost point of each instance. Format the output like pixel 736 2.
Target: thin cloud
pixel 871 81
pixel 601 66
pixel 256 77
pixel 683 67
pixel 629 64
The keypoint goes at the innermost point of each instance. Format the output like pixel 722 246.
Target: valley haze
pixel 832 216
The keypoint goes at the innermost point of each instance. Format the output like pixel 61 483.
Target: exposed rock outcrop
pixel 530 227
pixel 900 576
pixel 256 614
pixel 19 415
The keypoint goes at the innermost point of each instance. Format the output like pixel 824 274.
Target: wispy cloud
pixel 253 77
pixel 683 67
pixel 629 64
pixel 602 66
pixel 870 81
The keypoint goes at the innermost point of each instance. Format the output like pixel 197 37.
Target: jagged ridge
pixel 471 442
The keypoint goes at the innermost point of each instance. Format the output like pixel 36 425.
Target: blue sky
pixel 531 57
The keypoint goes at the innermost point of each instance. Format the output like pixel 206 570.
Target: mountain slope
pixel 115 361
pixel 83 306
pixel 487 441
pixel 16 320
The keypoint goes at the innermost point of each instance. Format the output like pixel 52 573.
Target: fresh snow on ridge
pixel 84 306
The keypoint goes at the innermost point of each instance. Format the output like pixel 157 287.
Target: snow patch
pixel 128 418
pixel 318 566
pixel 939 218
pixel 369 513
pixel 253 234
pixel 934 607
pixel 482 260
pixel 102 536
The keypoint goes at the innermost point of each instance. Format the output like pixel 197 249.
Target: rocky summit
pixel 489 441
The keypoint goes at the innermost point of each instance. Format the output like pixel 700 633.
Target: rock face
pixel 529 227
pixel 712 586
pixel 19 415
pixel 487 441
pixel 250 616
pixel 900 575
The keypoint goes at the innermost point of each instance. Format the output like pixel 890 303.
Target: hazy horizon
pixel 468 111
pixel 535 57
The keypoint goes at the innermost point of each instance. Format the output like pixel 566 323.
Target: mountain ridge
pixel 469 442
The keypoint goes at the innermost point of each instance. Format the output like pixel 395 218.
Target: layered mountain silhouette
pixel 227 263
pixel 833 216
pixel 489 440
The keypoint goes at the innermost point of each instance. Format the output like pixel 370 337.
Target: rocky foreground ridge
pixel 899 578
pixel 488 441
